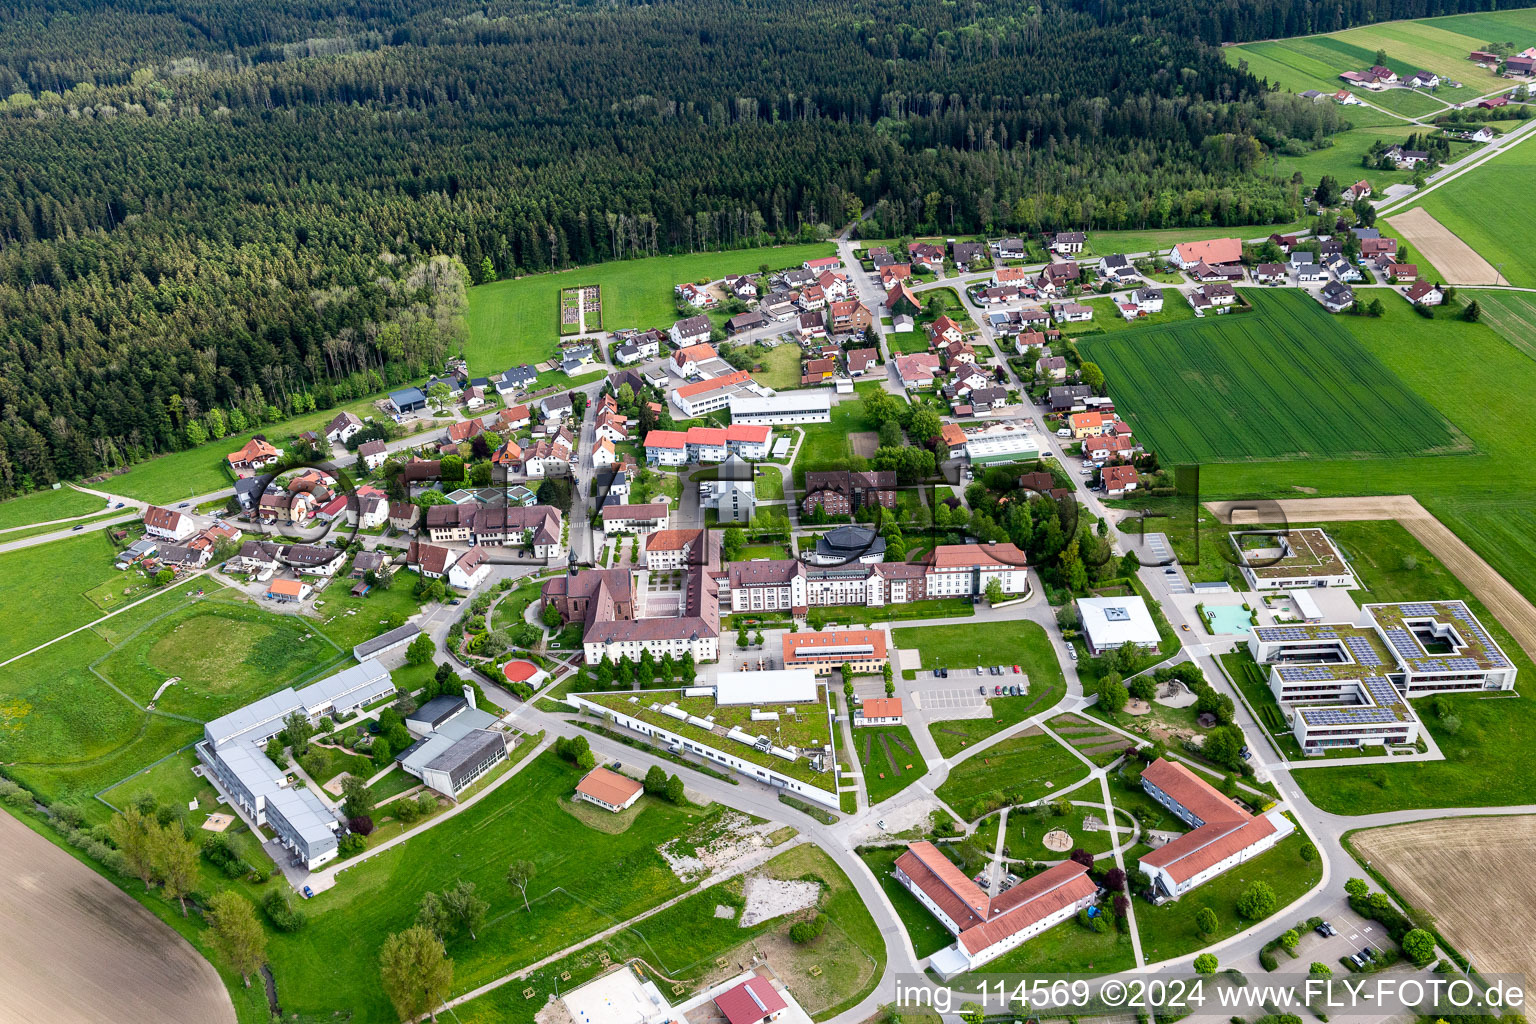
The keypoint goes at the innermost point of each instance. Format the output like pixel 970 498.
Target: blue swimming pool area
pixel 1228 618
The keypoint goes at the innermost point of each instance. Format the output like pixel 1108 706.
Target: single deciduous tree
pixel 176 860
pixel 1206 963
pixel 467 909
pixel 519 874
pixel 1206 922
pixel 416 972
pixel 132 833
pixel 236 933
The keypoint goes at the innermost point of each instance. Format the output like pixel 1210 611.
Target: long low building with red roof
pixel 985 927
pixel 865 650
pixel 1223 834
pixel 713 393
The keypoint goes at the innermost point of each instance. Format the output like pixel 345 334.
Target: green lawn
pixel 347 621
pixel 513 321
pixel 1512 314
pixel 41 506
pixel 1026 831
pixel 770 483
pixel 1010 643
pixel 828 446
pixel 1343 159
pixel 1107 318
pixel 1169 930
pixel 893 762
pixel 224 653
pixel 780 367
pixel 1463 204
pixel 927 935
pixel 751 551
pixel 44 589
pixel 330 965
pixel 1106 243
pixel 1021 769
pixel 1286 381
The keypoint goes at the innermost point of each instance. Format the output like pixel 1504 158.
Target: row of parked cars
pixel 1004 691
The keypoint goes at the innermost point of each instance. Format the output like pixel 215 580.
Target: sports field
pixel 512 322
pixel 1465 205
pixel 1285 381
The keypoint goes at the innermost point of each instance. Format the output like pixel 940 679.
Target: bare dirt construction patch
pixel 864 443
pixel 1443 867
pixel 1506 603
pixel 1457 260
pixel 768 898
pixel 77 948
pixel 715 846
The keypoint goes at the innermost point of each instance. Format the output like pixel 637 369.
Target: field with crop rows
pixel 1285 381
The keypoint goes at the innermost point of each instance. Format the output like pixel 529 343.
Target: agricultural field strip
pixel 1292 390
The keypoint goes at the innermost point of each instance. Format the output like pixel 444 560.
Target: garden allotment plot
pixel 1286 381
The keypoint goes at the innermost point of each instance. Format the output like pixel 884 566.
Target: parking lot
pixel 954 702
pixel 1354 933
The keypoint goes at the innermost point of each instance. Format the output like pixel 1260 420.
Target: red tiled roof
pixel 1227 828
pixel 804 645
pixel 1029 902
pixel 609 787
pixel 962 556
pixel 882 707
pixel 1217 250
pixel 713 436
pixel 747 432
pixel 750 1002
pixel 714 384
pixel 666 439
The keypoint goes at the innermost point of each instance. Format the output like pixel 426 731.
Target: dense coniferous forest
pixel 216 213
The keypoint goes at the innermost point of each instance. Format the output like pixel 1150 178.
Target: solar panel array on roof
pixel 1403 643
pixel 1443 664
pixel 1383 692
pixel 1306 673
pixel 1417 608
pixel 1463 614
pixel 1360 647
pixel 1293 634
pixel 1365 714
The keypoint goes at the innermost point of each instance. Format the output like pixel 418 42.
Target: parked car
pixel 1016 670
pixel 997 691
pixel 1072 651
pixel 309 893
pixel 983 690
pixel 1326 930
pixel 1064 432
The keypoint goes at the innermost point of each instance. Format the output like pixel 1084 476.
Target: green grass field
pixel 225 654
pixel 1342 160
pixel 1023 768
pixel 41 506
pixel 44 588
pixel 1512 314
pixel 330 965
pixel 1011 643
pixel 885 775
pixel 1463 205
pixel 1107 318
pixel 769 484
pixel 513 321
pixel 1106 243
pixel 1286 381
pixel 828 445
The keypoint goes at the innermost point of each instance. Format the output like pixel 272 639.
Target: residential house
pixel 917 370
pixel 430 560
pixel 256 455
pixel 1071 312
pixel 315 559
pixel 685 362
pixel 988 398
pixel 694 330
pixel 168 524
pixel 823 263
pixel 516 417
pixel 1068 397
pixel 817 371
pixel 1051 367
pixel 1217 296
pixel 834 286
pixel 474 397
pixel 1423 80
pixel 1405 159
pixel 927 255
pixel 1002 275
pixel 876 711
pixel 696 295
pixel 967 254
pixel 1337 296
pixel 1089 424
pixel 1346 98
pixel 470 569
pixel 556 407
pixel 1118 480
pixel 1147 300
pixel 861 361
pixel 1008 249
pixel 811 324
pixel 1384 74
pixel 1116 268
pixel 1057 276
pixel 1215 272
pixel 742 286
pixel 1370 248
pixel 849 316
pixel 1422 293
pixel 1401 273
pixel 1271 273
pixel 891 273
pixel 546 458
pixel 403 515
pixel 1340 267
pixel 1359 190
pixel 1107 447
pixel 464 430
pixel 1068 243
pixel 901 299
pixel 1306 268
pixel 943 331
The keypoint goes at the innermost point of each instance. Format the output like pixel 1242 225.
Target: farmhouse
pixel 1214 252
pixel 1272 560
pixel 257 454
pixel 985 927
pixel 1222 834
